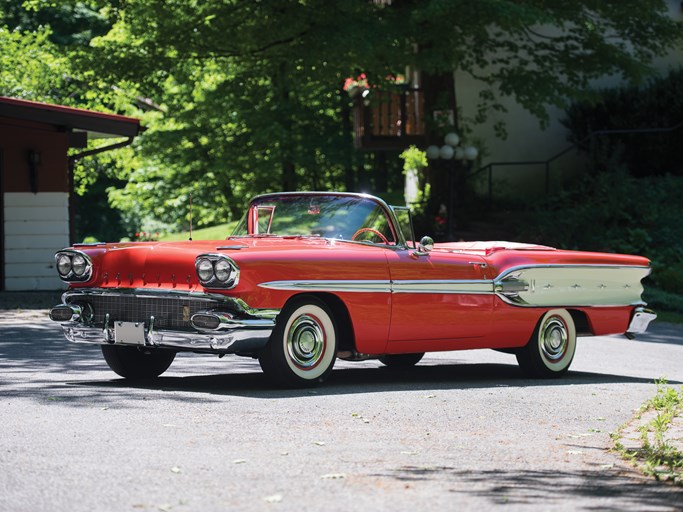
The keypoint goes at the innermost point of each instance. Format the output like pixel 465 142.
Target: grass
pixel 220 232
pixel 657 456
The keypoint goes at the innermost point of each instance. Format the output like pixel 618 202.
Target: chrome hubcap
pixel 306 341
pixel 554 338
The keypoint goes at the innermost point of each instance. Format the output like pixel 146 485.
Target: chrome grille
pixel 168 312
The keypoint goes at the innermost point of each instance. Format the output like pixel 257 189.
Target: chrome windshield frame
pixel 389 212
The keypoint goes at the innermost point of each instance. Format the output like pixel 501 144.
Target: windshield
pixel 353 218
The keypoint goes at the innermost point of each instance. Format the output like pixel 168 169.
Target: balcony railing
pixel 389 120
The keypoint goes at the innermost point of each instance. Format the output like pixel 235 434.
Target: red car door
pixel 439 301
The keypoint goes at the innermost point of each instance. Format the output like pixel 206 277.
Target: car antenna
pixel 190 217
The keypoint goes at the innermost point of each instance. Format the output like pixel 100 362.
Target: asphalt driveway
pixel 461 431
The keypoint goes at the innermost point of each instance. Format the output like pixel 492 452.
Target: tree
pixel 251 91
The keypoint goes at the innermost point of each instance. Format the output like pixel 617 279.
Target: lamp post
pixel 459 156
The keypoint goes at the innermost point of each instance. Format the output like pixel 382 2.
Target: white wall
pixel 36 226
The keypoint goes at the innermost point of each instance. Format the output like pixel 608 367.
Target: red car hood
pixel 172 264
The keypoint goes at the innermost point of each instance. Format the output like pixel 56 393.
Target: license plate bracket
pixel 129 333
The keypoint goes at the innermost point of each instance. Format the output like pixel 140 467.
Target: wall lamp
pixel 33 159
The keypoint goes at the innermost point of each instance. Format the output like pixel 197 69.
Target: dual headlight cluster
pixel 73 265
pixel 216 271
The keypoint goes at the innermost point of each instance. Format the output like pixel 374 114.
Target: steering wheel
pixel 373 231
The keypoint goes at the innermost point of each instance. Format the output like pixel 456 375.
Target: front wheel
pixel 137 363
pixel 303 346
pixel 551 348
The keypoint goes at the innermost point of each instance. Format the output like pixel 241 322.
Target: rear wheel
pixel 401 360
pixel 137 363
pixel 303 346
pixel 550 350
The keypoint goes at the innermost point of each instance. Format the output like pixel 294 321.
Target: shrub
pixel 614 212
pixel 658 104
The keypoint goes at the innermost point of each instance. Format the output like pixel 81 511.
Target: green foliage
pixel 95 219
pixel 662 301
pixel 615 212
pixel 69 23
pixel 661 458
pixel 414 159
pixel 243 97
pixel 658 105
pixel 30 66
pixel 658 456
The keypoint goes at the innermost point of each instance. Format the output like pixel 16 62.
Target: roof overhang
pixel 94 124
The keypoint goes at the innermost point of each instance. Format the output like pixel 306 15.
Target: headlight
pixel 73 265
pixel 216 271
pixel 205 269
pixel 223 270
pixel 79 265
pixel 63 264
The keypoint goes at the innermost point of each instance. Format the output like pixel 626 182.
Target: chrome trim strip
pixel 449 286
pixel 381 286
pixel 570 266
pixel 332 285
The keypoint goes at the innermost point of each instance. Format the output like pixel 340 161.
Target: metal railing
pixel 577 145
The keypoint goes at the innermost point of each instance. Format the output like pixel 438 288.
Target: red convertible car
pixel 307 278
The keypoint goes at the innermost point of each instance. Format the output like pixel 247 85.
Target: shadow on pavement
pixel 621 491
pixel 659 332
pixel 30 351
pixel 346 381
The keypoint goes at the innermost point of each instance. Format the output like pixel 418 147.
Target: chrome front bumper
pixel 218 324
pixel 245 341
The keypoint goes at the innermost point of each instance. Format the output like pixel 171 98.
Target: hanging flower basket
pixel 356 86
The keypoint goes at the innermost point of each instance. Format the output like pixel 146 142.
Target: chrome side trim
pixel 406 286
pixel 341 285
pixel 572 285
pixel 449 286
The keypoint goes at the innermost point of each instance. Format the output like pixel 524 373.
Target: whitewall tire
pixel 303 346
pixel 551 349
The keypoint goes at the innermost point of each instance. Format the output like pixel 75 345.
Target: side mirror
pixel 424 247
